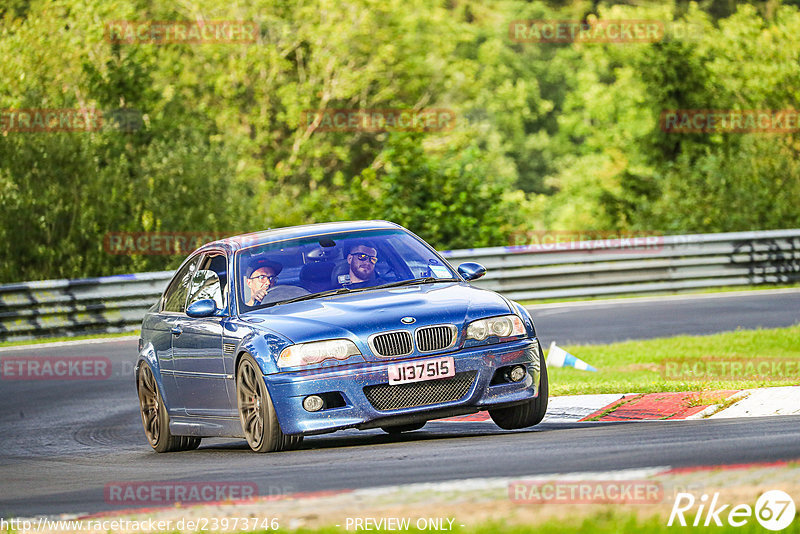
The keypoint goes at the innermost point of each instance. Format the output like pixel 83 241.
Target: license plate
pixel 403 373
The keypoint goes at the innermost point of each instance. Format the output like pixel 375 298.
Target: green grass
pixel 611 520
pixel 639 366
pixel 606 520
pixel 67 338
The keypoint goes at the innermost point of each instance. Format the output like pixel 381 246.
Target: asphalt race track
pixel 610 321
pixel 63 441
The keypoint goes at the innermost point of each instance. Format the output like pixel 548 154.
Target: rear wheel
pixel 399 429
pixel 155 418
pixel 531 412
pixel 257 413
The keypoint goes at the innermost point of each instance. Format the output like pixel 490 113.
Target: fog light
pixel 517 373
pixel 313 403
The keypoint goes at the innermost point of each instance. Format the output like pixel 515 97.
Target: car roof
pixel 234 243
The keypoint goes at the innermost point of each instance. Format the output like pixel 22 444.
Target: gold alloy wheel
pixel 149 404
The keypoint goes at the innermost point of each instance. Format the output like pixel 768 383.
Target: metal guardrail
pixel 30 310
pixel 545 270
pixel 647 265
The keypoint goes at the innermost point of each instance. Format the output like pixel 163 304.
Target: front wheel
pixel 155 418
pixel 531 412
pixel 257 413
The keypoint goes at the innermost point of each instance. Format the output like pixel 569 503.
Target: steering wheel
pixel 385 271
pixel 274 294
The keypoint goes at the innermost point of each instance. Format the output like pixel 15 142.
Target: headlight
pixel 504 326
pixel 317 351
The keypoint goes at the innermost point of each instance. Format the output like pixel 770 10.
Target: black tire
pixel 531 412
pixel 399 429
pixel 257 413
pixel 155 418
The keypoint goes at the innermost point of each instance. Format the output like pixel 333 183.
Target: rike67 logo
pixel 774 510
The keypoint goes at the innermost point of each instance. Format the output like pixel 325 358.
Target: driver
pixel 362 259
pixel 260 277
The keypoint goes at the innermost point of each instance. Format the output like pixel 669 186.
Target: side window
pixel 175 297
pixel 209 280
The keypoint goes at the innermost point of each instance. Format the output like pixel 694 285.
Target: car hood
pixel 358 315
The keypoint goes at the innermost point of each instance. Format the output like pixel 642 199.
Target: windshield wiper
pixel 415 281
pixel 336 291
pixel 341 290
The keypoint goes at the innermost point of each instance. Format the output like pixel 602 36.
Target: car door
pixel 166 323
pixel 198 359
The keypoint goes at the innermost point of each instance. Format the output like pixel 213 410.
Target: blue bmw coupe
pixel 292 332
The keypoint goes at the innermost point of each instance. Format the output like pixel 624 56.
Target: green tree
pixel 446 200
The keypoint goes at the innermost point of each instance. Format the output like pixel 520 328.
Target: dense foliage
pixel 548 136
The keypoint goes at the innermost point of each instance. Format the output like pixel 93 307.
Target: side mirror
pixel 202 308
pixel 471 270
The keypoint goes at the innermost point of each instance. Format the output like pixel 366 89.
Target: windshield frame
pixel 243 308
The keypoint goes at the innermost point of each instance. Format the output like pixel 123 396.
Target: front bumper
pixel 290 388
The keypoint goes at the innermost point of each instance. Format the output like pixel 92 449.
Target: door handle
pixel 176 330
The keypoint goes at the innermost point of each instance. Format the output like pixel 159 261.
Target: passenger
pixel 261 276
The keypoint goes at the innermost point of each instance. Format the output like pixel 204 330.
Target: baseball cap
pixel 258 264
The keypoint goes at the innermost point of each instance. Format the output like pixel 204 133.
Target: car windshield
pixel 311 267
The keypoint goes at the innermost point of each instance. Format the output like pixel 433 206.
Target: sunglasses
pixel 364 257
pixel 263 277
